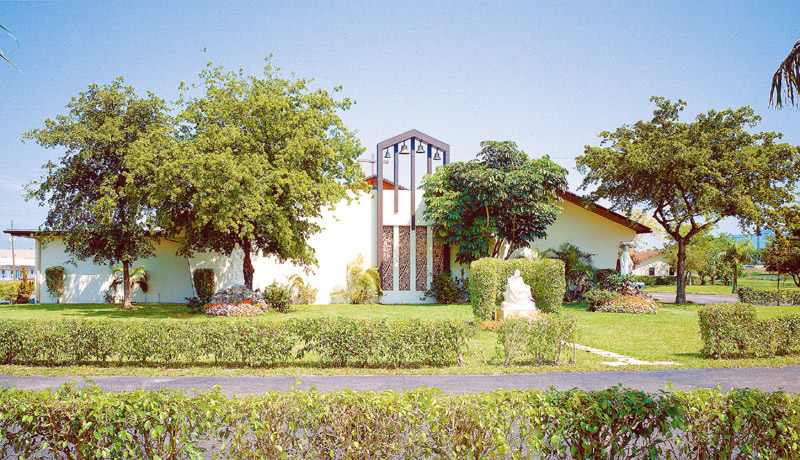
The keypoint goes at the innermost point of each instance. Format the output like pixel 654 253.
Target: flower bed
pixel 630 304
pixel 243 308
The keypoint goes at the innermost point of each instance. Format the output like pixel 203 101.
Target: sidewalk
pixel 765 378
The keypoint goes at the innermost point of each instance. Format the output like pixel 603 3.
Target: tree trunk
pixel 735 280
pixel 247 266
pixel 126 285
pixel 680 292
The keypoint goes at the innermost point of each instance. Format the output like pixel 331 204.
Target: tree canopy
pixel 253 163
pixel 97 194
pixel 692 175
pixel 495 204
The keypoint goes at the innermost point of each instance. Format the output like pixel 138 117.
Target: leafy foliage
pixel 734 255
pixel 495 204
pixel 204 284
pixel 446 289
pixel 362 285
pixel 24 289
pixel 335 341
pixel 489 279
pixel 733 331
pixel 786 81
pixel 782 256
pixel 578 269
pixel 302 292
pixel 615 423
pixel 541 339
pixel 54 279
pixel 254 163
pixel 139 278
pixel 97 195
pixel 692 175
pixel 629 304
pixel 278 297
pixel 598 297
pixel 768 296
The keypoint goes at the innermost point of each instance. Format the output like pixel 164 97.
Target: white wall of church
pixel 589 231
pixel 347 232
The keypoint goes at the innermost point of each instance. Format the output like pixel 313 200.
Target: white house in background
pixel 11 267
pixel 396 238
pixel 652 263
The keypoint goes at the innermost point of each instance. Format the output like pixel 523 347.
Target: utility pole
pixel 13 256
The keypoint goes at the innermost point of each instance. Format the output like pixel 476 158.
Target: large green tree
pixel 692 175
pixel 96 193
pixel 495 204
pixel 254 163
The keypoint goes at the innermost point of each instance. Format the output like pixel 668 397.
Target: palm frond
pixel 1 51
pixel 785 87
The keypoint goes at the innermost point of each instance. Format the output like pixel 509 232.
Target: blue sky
pixel 547 75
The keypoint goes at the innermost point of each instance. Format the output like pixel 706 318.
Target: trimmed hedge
pixel 54 279
pixel 337 342
pixel 734 331
pixel 488 279
pixel 768 296
pixel 204 284
pixel 424 423
pixel 541 339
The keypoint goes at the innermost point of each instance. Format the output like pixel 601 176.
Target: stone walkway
pixel 621 360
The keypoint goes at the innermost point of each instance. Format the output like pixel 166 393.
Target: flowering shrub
pixel 630 304
pixel 243 308
pixel 489 325
pixel 599 297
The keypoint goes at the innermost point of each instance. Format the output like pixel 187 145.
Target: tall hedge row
pixel 488 279
pixel 768 296
pixel 335 342
pixel 425 423
pixel 734 331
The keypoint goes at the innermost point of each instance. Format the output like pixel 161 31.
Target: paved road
pixel 703 299
pixel 769 379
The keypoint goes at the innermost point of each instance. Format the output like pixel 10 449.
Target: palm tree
pixel 138 278
pixel 788 74
pixel 1 51
pixel 363 285
pixel 577 266
pixel 734 254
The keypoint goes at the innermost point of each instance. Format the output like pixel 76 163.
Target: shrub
pixel 10 291
pixel 362 285
pixel 353 342
pixel 24 289
pixel 599 297
pixel 446 289
pixel 54 279
pixel 768 296
pixel 278 297
pixel 335 342
pixel 237 309
pixel 734 331
pixel 616 282
pixel 630 304
pixel 615 423
pixel 489 279
pixel 542 338
pixel 204 284
pixel 302 292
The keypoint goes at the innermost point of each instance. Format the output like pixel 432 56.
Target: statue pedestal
pixel 515 312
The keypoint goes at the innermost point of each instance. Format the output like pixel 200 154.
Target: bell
pixel 420 150
pixel 386 154
pixel 436 155
pixel 404 150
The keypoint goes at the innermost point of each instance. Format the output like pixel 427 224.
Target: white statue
pixel 625 262
pixel 237 266
pixel 517 299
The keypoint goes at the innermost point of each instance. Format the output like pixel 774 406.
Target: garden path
pixel 702 299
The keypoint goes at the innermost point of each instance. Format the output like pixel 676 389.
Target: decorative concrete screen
pixel 405 258
pixel 421 260
pixel 387 274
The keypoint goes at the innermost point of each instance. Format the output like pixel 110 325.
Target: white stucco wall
pixel 589 231
pixel 659 263
pixel 347 232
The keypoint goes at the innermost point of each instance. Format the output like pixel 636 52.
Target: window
pixel 671 271
pixel 652 271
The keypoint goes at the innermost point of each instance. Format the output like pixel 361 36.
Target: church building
pixel 386 226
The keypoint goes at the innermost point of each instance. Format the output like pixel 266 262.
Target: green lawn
pixel 722 289
pixel 672 335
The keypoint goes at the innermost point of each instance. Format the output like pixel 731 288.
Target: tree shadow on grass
pixel 105 311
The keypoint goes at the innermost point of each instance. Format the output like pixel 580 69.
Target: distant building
pixel 24 258
pixel 759 241
pixel 651 263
